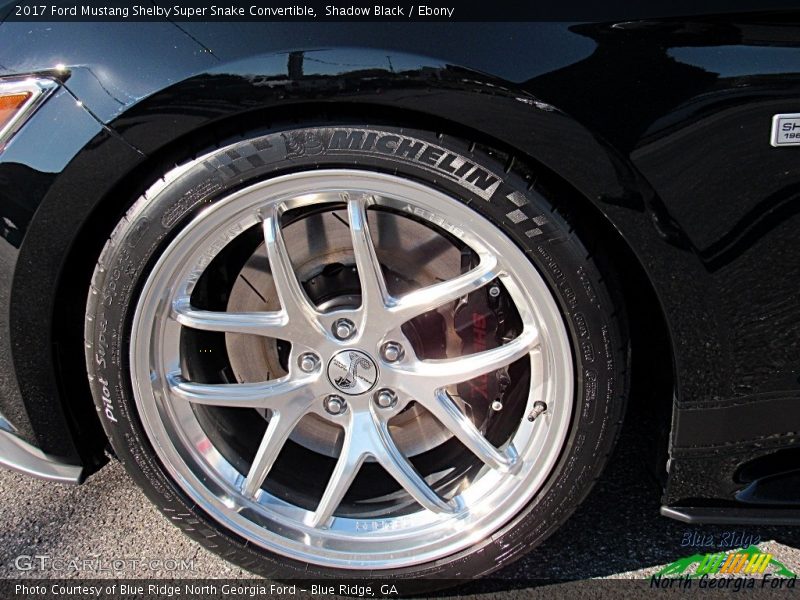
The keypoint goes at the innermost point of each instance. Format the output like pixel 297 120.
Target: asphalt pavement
pixel 617 533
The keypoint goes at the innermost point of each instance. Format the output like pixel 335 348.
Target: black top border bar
pixel 378 10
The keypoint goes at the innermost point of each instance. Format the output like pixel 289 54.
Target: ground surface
pixel 617 533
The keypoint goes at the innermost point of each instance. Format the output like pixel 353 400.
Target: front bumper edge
pixel 18 455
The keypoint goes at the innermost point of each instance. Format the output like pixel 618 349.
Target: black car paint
pixel 661 125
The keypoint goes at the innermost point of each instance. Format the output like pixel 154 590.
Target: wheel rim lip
pixel 271 523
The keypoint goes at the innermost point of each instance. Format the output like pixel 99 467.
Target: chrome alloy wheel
pixel 355 368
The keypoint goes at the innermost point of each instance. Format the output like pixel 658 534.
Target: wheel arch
pixel 583 204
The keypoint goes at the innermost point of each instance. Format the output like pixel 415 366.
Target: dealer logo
pixel 736 569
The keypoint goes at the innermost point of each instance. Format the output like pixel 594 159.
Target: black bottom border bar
pixel 258 589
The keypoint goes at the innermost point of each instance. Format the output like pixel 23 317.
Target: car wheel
pixel 345 351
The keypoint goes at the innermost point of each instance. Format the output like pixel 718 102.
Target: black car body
pixel 660 128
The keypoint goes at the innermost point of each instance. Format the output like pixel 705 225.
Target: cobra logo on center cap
pixel 352 372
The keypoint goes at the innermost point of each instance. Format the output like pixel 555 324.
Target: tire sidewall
pixel 500 194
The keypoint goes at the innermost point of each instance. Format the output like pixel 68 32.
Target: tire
pixel 584 358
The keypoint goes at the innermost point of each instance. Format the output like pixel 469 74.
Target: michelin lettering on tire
pixel 332 142
pixel 435 159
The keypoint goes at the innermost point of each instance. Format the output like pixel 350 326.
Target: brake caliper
pixel 481 321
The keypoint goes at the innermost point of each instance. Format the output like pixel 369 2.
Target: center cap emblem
pixel 352 372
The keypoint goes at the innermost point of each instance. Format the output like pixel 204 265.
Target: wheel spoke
pixel 446 411
pixel 399 467
pixel 425 375
pixel 268 394
pixel 350 461
pixel 281 424
pixel 373 286
pixel 270 324
pixel 294 301
pixel 428 298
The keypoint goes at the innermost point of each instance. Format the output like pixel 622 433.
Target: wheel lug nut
pixel 308 361
pixel 392 352
pixel 343 329
pixel 385 398
pixel 335 405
